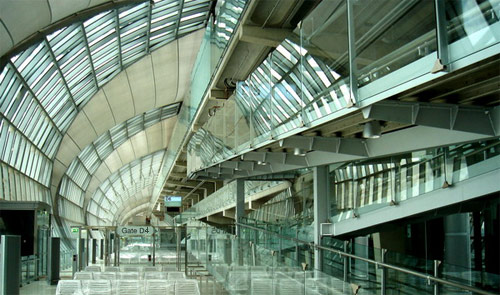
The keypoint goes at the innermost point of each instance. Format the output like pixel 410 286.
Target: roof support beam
pixel 148 29
pixel 471 119
pixel 119 39
pixel 178 22
pixel 91 61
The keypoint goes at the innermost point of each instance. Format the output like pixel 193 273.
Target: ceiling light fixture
pixel 372 129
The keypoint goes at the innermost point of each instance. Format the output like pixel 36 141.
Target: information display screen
pixel 173 201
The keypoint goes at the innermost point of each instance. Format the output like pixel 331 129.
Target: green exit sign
pixel 75 229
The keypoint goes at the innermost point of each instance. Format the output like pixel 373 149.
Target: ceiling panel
pixel 22 18
pixel 99 113
pixel 154 137
pixel 126 152
pixel 165 73
pixel 140 76
pixel 167 129
pixel 188 52
pixel 6 43
pixel 139 141
pixel 62 8
pixel 67 151
pixel 113 161
pixel 120 98
pixel 82 132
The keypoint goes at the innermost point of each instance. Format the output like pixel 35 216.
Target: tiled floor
pixel 38 288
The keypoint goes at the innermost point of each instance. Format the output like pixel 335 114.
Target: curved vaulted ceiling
pixel 96 76
pixel 122 144
pixel 132 184
pixel 19 19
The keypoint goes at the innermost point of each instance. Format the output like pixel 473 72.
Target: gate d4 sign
pixel 135 230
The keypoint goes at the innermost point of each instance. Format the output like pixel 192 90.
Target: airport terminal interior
pixel 264 147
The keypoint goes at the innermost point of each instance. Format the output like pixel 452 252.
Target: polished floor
pixel 42 288
pixel 38 288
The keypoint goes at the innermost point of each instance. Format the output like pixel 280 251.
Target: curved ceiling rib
pixel 45 87
pixel 124 186
pixel 130 140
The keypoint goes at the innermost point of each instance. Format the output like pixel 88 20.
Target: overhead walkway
pixel 371 193
pixel 308 103
pixel 219 207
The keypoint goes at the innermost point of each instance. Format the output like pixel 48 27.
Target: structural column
pixel 240 203
pixel 94 251
pixel 321 209
pixel 53 271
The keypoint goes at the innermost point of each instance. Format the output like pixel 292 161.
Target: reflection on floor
pixel 38 288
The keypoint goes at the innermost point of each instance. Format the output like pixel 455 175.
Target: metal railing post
pixel 436 274
pixel 346 262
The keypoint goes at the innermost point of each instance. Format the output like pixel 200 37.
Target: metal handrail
pixel 376 263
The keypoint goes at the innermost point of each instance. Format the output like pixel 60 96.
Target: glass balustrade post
pixel 280 242
pixel 346 262
pixel 297 246
pixel 352 52
pixel 441 36
pixel 383 275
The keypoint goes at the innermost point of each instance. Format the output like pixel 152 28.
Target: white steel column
pixel 321 208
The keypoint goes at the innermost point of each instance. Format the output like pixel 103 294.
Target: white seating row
pixel 283 283
pixel 97 268
pixel 129 275
pixel 127 287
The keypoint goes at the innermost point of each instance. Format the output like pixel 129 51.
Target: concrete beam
pixel 220 93
pixel 219 219
pixel 181 164
pixel 206 185
pixel 480 120
pixel 347 146
pixel 229 213
pixel 178 175
pixel 402 141
pixel 263 36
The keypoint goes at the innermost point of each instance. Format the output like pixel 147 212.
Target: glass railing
pixel 283 240
pixel 267 253
pixel 225 198
pixel 314 76
pixel 29 269
pixel 358 264
pixel 364 186
pixel 66 260
pixel 218 35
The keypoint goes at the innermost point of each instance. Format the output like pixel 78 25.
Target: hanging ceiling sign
pixel 135 230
